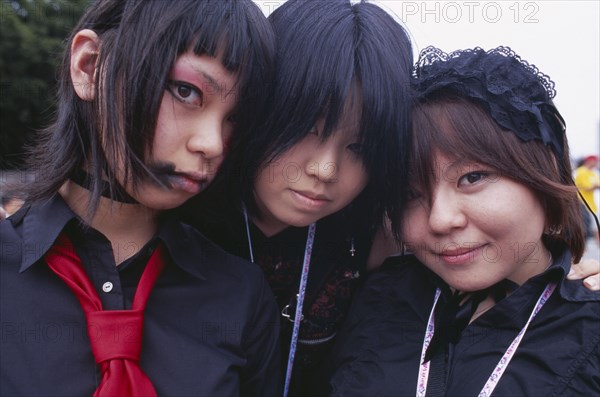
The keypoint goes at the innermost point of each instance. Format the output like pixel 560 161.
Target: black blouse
pixel 210 327
pixel 378 351
pixel 333 278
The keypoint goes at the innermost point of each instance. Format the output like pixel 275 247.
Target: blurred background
pixel 32 35
pixel 562 38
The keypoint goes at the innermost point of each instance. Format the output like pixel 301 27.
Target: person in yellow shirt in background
pixel 587 181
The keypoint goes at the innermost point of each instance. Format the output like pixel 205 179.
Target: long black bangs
pixel 331 57
pixel 242 38
pixel 314 72
pixel 138 62
pixel 384 60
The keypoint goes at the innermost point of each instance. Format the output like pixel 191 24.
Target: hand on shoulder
pixel 589 271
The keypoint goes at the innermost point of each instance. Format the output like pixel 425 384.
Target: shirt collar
pixel 41 226
pixel 570 290
pixel 520 308
pixel 189 250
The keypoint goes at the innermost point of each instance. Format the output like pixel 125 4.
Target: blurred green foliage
pixel 32 38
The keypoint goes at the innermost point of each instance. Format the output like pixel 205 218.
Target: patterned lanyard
pixel 494 378
pixel 310 238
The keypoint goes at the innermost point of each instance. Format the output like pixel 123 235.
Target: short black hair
pixel 139 44
pixel 325 51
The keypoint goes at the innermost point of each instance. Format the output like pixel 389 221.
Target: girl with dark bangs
pixel 480 304
pixel 102 292
pixel 303 195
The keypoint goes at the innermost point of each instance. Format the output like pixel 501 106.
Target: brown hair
pixel 463 129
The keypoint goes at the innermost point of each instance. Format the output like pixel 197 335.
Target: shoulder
pixel 210 271
pixel 574 329
pixel 399 272
pixel 400 286
pixel 572 291
pixel 378 346
pixel 192 250
pixel 11 236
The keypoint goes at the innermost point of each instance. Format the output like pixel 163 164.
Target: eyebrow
pixel 197 71
pixel 212 82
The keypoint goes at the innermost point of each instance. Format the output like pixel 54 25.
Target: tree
pixel 32 38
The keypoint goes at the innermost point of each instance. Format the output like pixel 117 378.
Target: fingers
pixel 589 270
pixel 592 282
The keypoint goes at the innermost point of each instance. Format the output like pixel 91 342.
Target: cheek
pixel 265 183
pixel 354 180
pixel 351 190
pixel 413 224
pixel 278 173
pixel 227 139
pixel 414 236
pixel 519 214
pixel 162 147
pixel 165 133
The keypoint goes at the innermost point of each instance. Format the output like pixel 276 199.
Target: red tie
pixel 115 335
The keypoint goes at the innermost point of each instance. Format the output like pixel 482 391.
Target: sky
pixel 562 38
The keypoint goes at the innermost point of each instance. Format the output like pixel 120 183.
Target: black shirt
pixel 210 326
pixel 378 352
pixel 333 277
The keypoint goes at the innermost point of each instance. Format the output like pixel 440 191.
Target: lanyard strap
pixel 494 378
pixel 298 315
pixel 424 369
pixel 310 238
pixel 248 233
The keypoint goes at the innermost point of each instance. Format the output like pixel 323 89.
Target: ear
pixel 84 57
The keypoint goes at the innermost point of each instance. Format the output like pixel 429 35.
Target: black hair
pixel 139 44
pixel 329 52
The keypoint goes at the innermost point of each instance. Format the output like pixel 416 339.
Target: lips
pixel 460 255
pixel 189 182
pixel 309 199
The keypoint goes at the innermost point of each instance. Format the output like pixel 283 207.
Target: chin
pixel 302 222
pixel 164 204
pixel 463 286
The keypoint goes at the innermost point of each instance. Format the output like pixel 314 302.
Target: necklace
pixel 310 238
pixel 117 193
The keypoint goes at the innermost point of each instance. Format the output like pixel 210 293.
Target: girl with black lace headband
pixel 480 303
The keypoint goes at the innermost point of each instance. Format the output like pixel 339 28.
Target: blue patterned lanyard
pixel 310 238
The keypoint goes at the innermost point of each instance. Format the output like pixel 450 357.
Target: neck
pixel 266 223
pixel 483 307
pixel 537 267
pixel 534 264
pixel 267 228
pixel 128 227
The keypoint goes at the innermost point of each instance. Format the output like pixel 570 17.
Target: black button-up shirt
pixel 210 325
pixel 379 351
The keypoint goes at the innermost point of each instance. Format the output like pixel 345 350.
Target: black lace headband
pixel 516 94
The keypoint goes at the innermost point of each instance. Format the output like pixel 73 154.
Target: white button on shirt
pixel 107 286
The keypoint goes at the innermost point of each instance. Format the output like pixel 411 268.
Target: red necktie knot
pixel 116 334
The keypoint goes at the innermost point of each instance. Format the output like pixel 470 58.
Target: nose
pixel 446 213
pixel 323 163
pixel 207 138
